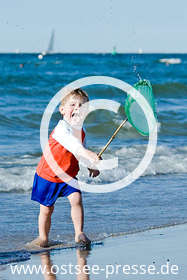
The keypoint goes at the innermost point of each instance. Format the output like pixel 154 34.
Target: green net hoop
pixel 134 112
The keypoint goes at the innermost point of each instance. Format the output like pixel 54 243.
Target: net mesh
pixel 134 112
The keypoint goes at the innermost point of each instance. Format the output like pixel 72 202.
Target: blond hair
pixel 77 93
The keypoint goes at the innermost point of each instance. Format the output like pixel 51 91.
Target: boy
pixel 66 148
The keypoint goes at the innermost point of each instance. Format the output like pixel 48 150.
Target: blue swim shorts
pixel 46 192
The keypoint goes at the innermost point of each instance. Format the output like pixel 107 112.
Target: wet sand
pixel 154 254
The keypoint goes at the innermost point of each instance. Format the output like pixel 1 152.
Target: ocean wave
pixel 25 121
pixel 167 160
pixel 42 84
pixel 173 90
pixel 16 174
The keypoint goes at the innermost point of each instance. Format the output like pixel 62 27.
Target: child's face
pixel 71 110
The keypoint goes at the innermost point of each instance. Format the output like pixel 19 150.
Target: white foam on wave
pixel 16 174
pixel 167 160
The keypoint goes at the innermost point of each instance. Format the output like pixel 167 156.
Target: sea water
pixel 158 198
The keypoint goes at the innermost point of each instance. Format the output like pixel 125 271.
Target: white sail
pixel 51 43
pixel 50 46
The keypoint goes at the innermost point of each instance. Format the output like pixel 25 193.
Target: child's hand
pixel 93 172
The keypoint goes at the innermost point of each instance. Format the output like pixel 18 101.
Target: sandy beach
pixel 154 254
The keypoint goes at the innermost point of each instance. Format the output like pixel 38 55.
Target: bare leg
pixel 44 224
pixel 77 213
pixel 44 221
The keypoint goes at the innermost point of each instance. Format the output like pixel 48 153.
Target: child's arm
pixel 92 172
pixel 87 154
pixel 93 158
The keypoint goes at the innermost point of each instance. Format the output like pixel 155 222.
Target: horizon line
pixel 53 53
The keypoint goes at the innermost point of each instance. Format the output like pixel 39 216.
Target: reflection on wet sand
pixel 82 262
pixel 47 266
pixel 51 271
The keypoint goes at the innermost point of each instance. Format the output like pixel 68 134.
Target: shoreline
pixel 153 248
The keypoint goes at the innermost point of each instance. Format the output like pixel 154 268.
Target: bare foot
pixel 82 239
pixel 39 242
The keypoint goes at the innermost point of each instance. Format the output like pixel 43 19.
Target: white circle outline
pixel 93 80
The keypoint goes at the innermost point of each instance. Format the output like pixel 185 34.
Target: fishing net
pixel 134 112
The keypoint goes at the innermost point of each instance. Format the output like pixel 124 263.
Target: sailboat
pixel 51 43
pixel 50 46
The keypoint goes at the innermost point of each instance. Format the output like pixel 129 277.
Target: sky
pixel 94 26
